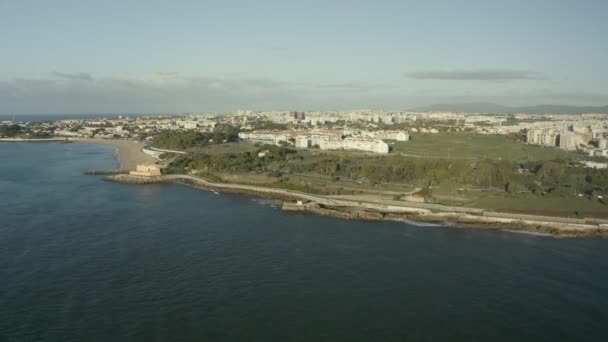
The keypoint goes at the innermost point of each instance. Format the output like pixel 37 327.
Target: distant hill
pixel 482 107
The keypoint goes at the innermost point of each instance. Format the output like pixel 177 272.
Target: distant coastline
pixel 16 140
pixel 129 152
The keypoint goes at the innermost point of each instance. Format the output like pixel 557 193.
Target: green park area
pixel 463 169
pixel 475 146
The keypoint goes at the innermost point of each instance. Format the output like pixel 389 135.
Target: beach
pixel 129 152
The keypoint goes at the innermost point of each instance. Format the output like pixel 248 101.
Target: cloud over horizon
pixel 172 92
pixel 83 76
pixel 476 74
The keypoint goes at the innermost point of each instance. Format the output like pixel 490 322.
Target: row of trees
pixel 274 159
pixel 11 130
pixel 182 140
pixel 557 177
pixel 14 130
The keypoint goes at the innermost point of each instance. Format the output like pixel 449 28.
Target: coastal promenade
pixel 297 201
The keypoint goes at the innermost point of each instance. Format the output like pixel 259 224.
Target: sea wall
pixel 534 217
pixel 460 220
pixel 296 201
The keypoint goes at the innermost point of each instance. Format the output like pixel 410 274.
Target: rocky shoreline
pixel 299 202
pixel 459 220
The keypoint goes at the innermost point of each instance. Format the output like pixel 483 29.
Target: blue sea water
pixel 86 260
pixel 45 117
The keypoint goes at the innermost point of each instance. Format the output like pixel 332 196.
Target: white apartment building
pixel 359 144
pixel 265 137
pixel 387 135
pixel 568 141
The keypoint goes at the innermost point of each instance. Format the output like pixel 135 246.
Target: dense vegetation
pixel 10 130
pixel 561 177
pixel 14 130
pixel 182 140
pixel 268 125
pixel 234 162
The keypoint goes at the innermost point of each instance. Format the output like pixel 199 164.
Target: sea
pixel 54 117
pixel 82 259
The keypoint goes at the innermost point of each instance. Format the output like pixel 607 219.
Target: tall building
pixel 568 140
pixel 547 137
pixel 300 116
pixel 533 136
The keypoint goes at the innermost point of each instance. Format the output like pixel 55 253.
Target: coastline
pixel 129 152
pixel 299 202
pixel 41 140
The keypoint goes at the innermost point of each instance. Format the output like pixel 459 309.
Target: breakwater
pixel 296 201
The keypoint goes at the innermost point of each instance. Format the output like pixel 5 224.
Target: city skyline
pixel 74 57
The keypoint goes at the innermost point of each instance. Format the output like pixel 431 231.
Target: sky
pixel 176 56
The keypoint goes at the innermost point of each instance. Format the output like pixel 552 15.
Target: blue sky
pixel 174 56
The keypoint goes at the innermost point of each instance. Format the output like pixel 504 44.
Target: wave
pixel 427 224
pixel 527 232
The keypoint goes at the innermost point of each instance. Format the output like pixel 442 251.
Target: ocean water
pixel 86 260
pixel 45 117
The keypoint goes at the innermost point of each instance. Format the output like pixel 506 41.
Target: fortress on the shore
pixel 146 170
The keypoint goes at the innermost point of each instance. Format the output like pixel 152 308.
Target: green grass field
pixel 537 205
pixel 474 146
pixel 232 147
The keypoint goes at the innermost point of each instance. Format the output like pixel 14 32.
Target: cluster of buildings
pixel 367 141
pixel 115 128
pixel 365 130
pixel 583 136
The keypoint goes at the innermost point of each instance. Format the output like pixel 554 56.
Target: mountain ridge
pixel 487 108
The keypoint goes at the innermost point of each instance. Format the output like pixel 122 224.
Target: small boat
pixel 216 193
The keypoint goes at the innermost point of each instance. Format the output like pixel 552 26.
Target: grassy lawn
pixel 522 203
pixel 472 146
pixel 315 184
pixel 233 147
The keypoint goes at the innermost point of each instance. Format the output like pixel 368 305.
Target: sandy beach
pixel 129 152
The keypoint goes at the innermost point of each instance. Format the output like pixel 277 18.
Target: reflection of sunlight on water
pixel 426 224
pixel 527 233
pixel 116 156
